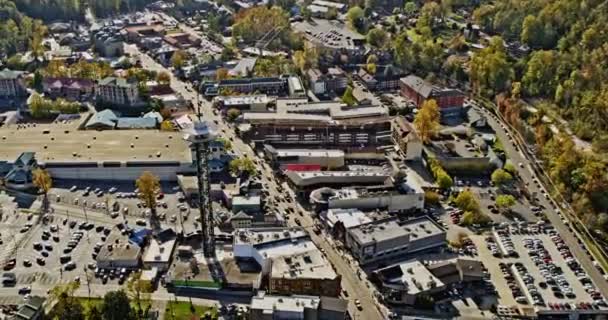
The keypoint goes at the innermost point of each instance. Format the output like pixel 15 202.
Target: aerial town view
pixel 303 159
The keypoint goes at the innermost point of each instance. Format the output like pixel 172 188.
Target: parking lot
pixel 539 270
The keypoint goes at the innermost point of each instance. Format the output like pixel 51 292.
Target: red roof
pixel 302 167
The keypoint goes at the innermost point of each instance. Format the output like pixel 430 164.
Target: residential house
pixel 334 80
pixel 109 41
pixel 73 89
pixel 182 40
pixel 386 78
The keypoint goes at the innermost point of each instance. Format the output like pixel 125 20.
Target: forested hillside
pixel 49 10
pixel 17 31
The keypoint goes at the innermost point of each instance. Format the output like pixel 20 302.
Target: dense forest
pixel 49 10
pixel 17 31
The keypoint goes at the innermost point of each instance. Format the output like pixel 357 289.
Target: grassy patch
pixel 98 302
pixel 181 310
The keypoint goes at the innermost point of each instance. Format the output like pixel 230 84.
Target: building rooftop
pixel 159 251
pixel 119 82
pixel 329 4
pixel 245 100
pixel 309 153
pixel 425 88
pixel 260 236
pixel 246 201
pixel 308 178
pixel 350 217
pixel 412 275
pixel 279 304
pixel 336 110
pixel 118 248
pixel 306 265
pixel 387 229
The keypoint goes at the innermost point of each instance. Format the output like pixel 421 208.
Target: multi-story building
pixel 406 138
pixel 305 273
pixel 109 41
pixel 334 80
pixel 387 238
pixel 326 159
pixel 12 84
pixel 272 85
pixel 117 91
pixel 301 307
pixel 386 77
pixel 449 101
pixel 74 89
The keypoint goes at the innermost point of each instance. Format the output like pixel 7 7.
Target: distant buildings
pixel 449 101
pixel 118 91
pixel 109 41
pixel 73 89
pixel 334 80
pixel 253 103
pixel 108 120
pixel 266 307
pixel 386 77
pixel 12 84
pixel 304 181
pixel 385 239
pixel 331 35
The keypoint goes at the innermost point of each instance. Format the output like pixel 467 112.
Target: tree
pixel 39 107
pixel 242 165
pixel 252 24
pixel 355 17
pixel 501 177
pixel 221 74
pixel 431 198
pixel 427 120
pixel 377 37
pixel 444 181
pixel 371 68
pixel 491 72
pixel 178 59
pixel 470 218
pixel 232 114
pixel 532 32
pixel 167 125
pixel 410 8
pixel 348 96
pixel 139 292
pixel 149 188
pixel 466 201
pixel 94 313
pixel 116 306
pixel 227 144
pixel 163 77
pixel 67 307
pixel 43 181
pixel 505 201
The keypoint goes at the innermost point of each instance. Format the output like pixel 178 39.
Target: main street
pixel 527 174
pixel 356 288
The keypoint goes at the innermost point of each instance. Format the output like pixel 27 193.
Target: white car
pixel 73 188
pixel 112 190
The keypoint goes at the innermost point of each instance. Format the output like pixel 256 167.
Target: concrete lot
pixel 58 142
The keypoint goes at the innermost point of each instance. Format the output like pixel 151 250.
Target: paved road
pixel 527 174
pixel 357 289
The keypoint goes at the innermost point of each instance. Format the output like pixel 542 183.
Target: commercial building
pixel 247 204
pixel 305 273
pixel 387 77
pixel 182 40
pixel 119 253
pixel 109 41
pixel 388 238
pixel 403 283
pixel 406 138
pixel 272 85
pixel 159 251
pixel 334 80
pixel 251 103
pixel 270 307
pixel 449 101
pixel 31 309
pixel 356 134
pixel 74 89
pixel 12 83
pixel 295 87
pixel 304 181
pixel 19 175
pixel 117 91
pixel 326 159
pixel 400 197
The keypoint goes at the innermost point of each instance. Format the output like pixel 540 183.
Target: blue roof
pixel 136 123
pixel 139 235
pixel 106 117
pixel 154 115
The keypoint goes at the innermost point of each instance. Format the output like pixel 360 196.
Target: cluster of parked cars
pixel 110 274
pixel 528 279
pixel 455 215
pixel 598 299
pixel 516 291
pixel 504 237
pixel 491 245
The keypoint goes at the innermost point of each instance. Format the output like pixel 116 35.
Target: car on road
pixel 25 290
pixel 358 304
pixel 27 263
pixel 73 188
pixel 140 222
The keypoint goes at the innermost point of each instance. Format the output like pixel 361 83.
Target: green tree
pixel 149 188
pixel 431 198
pixel 178 59
pixel 377 37
pixel 426 121
pixel 227 144
pixel 505 201
pixel 410 8
pixel 66 306
pixel 501 177
pixel 510 168
pixel 116 306
pixel 43 181
pixel 232 114
pixel 470 218
pixel 444 181
pixel 490 71
pixel 532 32
pixel 252 24
pixel 356 18
pixel 348 96
pixel 94 313
pixel 242 165
pixel 466 201
pixel 140 292
pixel 540 77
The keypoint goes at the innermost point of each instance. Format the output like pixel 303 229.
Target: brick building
pixel 450 101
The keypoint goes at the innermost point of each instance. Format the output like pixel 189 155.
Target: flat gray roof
pixel 384 230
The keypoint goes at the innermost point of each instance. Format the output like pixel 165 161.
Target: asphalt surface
pixel 356 288
pixel 528 174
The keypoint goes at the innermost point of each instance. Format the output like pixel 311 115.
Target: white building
pixel 159 252
pixel 325 158
pixel 348 217
pixel 117 91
